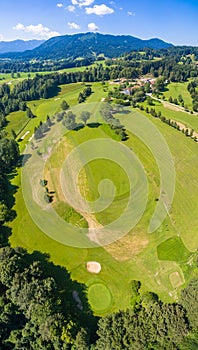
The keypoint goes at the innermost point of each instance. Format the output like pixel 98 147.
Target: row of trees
pixel 174 124
pixel 9 158
pixel 107 114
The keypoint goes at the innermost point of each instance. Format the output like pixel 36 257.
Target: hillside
pixel 89 44
pixel 19 45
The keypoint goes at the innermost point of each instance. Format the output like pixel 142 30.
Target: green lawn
pixel 70 215
pixel 173 249
pixel 189 120
pixel 176 89
pixel 16 121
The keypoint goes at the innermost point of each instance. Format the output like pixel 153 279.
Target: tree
pixel 159 85
pixel 48 121
pixel 81 341
pixel 149 101
pixel 38 134
pixel 85 116
pixel 4 213
pixel 81 98
pixel 69 121
pixel 43 182
pixel 64 105
pixel 9 154
pixel 29 113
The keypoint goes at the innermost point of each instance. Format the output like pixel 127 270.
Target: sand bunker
pixel 93 267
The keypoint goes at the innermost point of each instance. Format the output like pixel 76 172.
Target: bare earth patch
pixel 93 267
pixel 128 246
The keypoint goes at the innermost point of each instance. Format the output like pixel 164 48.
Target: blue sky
pixel 174 21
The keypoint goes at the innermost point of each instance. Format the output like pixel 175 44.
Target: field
pixel 152 258
pixel 176 89
pixel 41 108
pixel 173 250
pixel 189 120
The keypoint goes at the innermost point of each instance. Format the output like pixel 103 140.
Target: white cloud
pixel 82 3
pixel 73 25
pixel 93 27
pixel 1 37
pixel 99 10
pixel 71 8
pixel 130 13
pixel 59 5
pixel 39 30
pixel 19 26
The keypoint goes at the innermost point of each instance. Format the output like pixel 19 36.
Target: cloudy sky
pixel 174 21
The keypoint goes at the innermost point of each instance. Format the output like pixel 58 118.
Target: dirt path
pixel 182 126
pixel 169 105
pixel 177 108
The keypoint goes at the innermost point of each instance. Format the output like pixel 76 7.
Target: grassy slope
pixel 42 108
pixel 143 265
pixel 189 120
pixel 176 89
pixel 173 249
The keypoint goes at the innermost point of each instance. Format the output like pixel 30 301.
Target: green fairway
pixel 17 121
pixel 173 249
pixel 42 108
pixel 70 215
pixel 176 89
pixel 135 256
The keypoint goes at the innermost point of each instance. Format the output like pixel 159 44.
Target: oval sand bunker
pixel 93 267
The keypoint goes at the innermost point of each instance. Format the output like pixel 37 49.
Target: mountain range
pixel 87 45
pixel 19 45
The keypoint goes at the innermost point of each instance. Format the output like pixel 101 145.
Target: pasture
pixel 176 89
pixel 189 120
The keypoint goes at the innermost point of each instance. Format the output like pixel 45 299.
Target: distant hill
pixel 19 45
pixel 89 45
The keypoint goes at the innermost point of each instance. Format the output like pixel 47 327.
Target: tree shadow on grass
pixel 23 159
pixel 79 127
pixel 93 125
pixel 67 287
pixel 11 191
